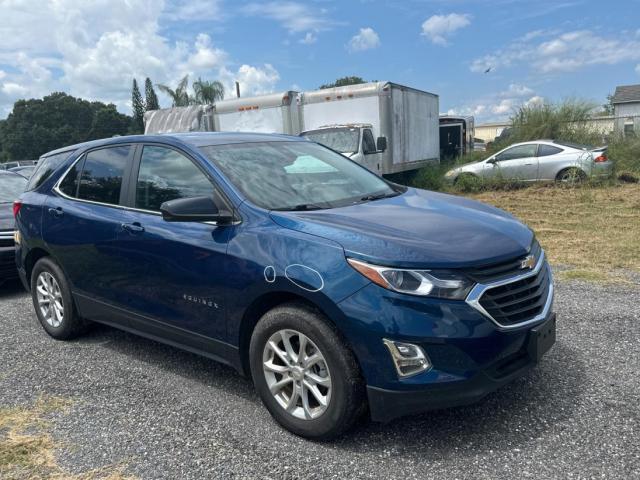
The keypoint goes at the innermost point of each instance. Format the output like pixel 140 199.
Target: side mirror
pixel 492 160
pixel 381 144
pixel 194 209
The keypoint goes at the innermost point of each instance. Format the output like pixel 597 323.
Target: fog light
pixel 409 359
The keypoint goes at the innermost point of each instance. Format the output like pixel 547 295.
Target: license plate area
pixel 542 338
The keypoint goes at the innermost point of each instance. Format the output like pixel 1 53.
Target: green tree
pixel 207 92
pixel 179 96
pixel 137 104
pixel 344 81
pixel 150 96
pixel 37 126
pixel 608 108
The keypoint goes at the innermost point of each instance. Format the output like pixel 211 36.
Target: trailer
pixel 273 113
pixel 456 136
pixel 194 118
pixel 385 127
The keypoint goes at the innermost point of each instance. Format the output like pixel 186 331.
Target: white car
pixel 541 160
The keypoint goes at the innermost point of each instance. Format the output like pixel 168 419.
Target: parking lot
pixel 162 413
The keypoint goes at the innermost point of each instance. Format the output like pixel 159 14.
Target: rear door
pixel 82 223
pixel 176 273
pixel 517 163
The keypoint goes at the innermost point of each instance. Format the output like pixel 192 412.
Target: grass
pixel 27 449
pixel 593 230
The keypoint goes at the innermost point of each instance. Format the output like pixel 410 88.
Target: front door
pixel 176 271
pixel 370 154
pixel 517 163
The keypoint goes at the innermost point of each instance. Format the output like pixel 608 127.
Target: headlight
pixel 450 173
pixel 432 283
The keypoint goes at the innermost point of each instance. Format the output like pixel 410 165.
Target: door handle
pixel 56 212
pixel 134 228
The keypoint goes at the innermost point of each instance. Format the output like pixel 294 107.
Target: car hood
pixel 6 216
pixel 418 229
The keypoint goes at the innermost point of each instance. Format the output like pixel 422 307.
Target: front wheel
pixel 304 373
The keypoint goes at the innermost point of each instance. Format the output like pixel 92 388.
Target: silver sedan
pixel 542 160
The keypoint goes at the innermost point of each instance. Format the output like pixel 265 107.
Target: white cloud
pixel 558 53
pixel 517 90
pixel 366 39
pixel 94 50
pixel 438 27
pixel 501 105
pixel 637 69
pixel 309 38
pixel 293 16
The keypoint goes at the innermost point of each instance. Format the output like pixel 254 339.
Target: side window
pixel 167 175
pixel 521 151
pixel 69 184
pixel 46 166
pixel 368 143
pixel 546 150
pixel 101 178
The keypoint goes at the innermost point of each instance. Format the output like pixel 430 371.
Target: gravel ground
pixel 170 414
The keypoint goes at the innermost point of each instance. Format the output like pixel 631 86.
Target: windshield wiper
pixel 378 196
pixel 301 207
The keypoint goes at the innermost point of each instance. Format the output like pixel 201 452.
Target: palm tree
pixel 180 97
pixel 208 92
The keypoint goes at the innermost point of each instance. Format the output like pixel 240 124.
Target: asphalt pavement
pixel 169 414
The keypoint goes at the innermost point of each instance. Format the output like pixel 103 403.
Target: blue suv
pixel 339 293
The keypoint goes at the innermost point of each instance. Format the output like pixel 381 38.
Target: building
pixel 626 105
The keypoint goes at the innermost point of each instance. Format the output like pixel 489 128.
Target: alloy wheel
pixel 50 300
pixel 297 374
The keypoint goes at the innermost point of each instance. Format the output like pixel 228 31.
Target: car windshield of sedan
pixel 11 186
pixel 296 175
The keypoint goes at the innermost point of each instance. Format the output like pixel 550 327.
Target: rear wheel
pixel 53 303
pixel 571 176
pixel 305 374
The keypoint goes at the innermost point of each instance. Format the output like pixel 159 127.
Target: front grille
pixel 498 271
pixel 6 242
pixel 519 301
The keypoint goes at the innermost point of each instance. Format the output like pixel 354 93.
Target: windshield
pixel 295 175
pixel 343 140
pixel 11 186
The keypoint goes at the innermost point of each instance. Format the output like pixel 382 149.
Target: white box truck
pixel 383 126
pixel 195 118
pixel 273 113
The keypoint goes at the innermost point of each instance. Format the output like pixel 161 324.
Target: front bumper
pixel 8 270
pixel 385 404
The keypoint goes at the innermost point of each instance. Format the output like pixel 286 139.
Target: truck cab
pixel 356 141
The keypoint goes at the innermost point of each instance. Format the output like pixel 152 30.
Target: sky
pixel 483 58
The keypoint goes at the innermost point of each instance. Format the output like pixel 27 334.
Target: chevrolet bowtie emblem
pixel 529 262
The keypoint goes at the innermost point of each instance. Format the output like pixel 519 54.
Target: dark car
pixel 337 292
pixel 11 186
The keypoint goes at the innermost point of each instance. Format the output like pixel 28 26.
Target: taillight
pixel 17 205
pixel 601 158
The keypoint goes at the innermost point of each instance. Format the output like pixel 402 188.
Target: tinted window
pixel 166 175
pixel 101 178
pixel 11 186
pixel 368 143
pixel 546 150
pixel 295 175
pixel 521 151
pixel 69 184
pixel 46 166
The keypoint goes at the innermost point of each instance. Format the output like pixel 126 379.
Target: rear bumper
pixel 602 169
pixel 385 405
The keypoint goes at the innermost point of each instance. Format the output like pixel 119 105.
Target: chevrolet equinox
pixel 339 293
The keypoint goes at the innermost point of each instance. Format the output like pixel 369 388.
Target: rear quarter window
pixel 546 150
pixel 46 166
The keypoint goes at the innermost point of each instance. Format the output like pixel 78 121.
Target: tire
pixel 571 176
pixel 344 393
pixel 49 285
